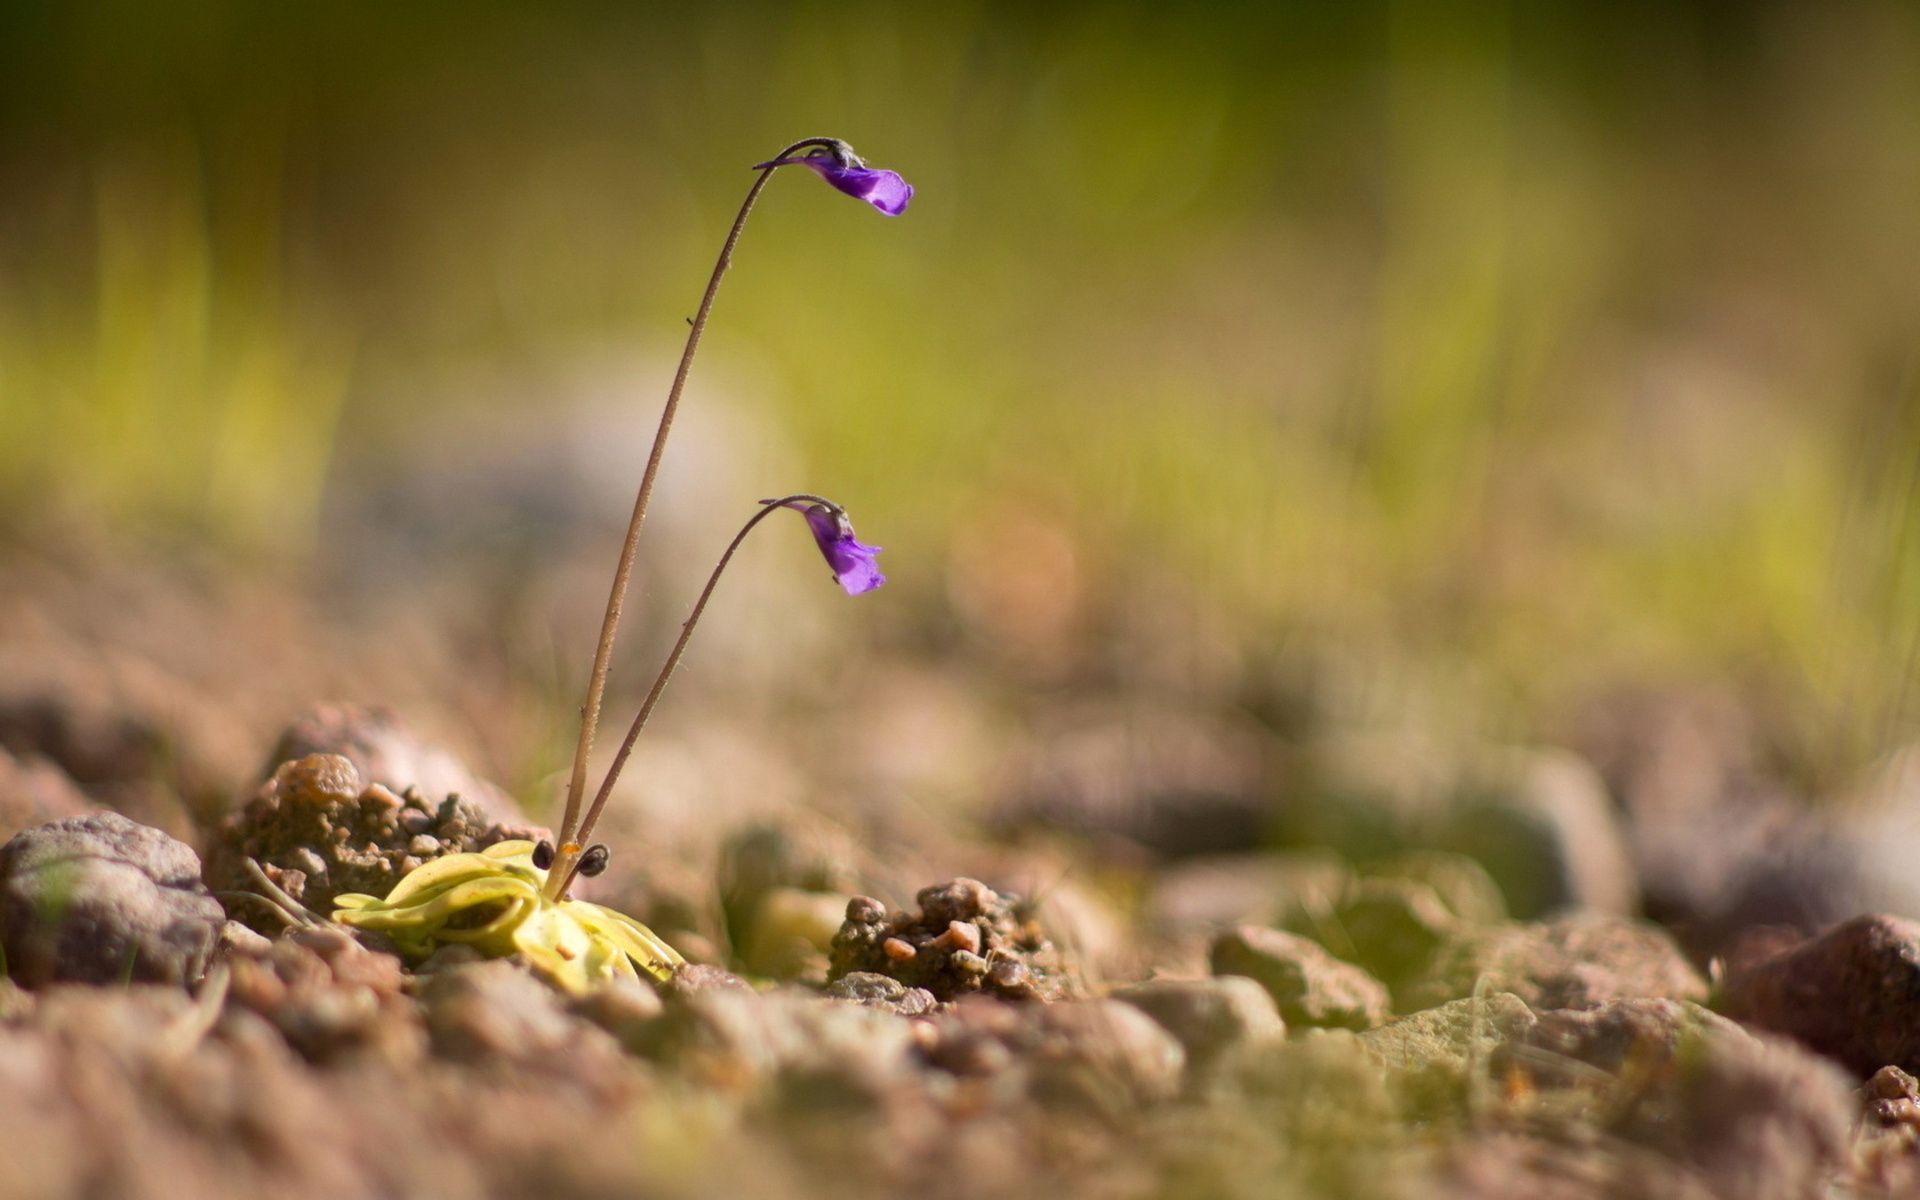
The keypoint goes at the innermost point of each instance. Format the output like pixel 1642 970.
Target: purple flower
pixel 840 166
pixel 851 561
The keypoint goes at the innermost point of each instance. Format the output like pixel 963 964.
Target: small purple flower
pixel 840 166
pixel 851 561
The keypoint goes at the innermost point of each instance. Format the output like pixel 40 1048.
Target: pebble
pixel 961 935
pixel 1209 1017
pixel 883 992
pixel 102 899
pixel 1309 986
pixel 1852 994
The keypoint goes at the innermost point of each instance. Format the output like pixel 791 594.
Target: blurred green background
pixel 1548 346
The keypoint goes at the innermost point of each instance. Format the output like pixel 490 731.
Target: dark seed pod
pixel 543 855
pixel 595 859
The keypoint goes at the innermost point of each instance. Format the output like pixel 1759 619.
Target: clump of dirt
pixel 317 832
pixel 966 938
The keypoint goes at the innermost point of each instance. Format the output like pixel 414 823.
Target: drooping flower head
pixel 834 161
pixel 850 560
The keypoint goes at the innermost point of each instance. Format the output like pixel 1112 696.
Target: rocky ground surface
pixel 1479 1011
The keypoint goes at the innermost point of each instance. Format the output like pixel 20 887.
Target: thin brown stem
pixel 561 875
pixel 569 848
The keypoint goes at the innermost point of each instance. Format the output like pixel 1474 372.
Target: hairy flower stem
pixel 564 874
pixel 571 835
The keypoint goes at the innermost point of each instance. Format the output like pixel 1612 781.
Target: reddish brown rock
pixel 1852 994
pixel 1308 985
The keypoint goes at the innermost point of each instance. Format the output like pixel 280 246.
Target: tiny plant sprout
pixel 512 898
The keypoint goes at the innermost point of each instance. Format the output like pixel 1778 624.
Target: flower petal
pixel 850 559
pixel 885 190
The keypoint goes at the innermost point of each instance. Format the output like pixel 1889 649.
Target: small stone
pixel 961 935
pixel 1011 977
pixel 1852 994
pixel 304 860
pixel 414 820
pixel 321 776
pixel 101 899
pixel 899 950
pixel 865 910
pixel 882 992
pixel 866 987
pixel 423 846
pixel 1209 1017
pixel 968 963
pixel 236 938
pixel 957 900
pixel 1309 986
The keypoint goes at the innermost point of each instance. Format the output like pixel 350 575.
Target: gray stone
pixel 101 899
pixel 883 992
